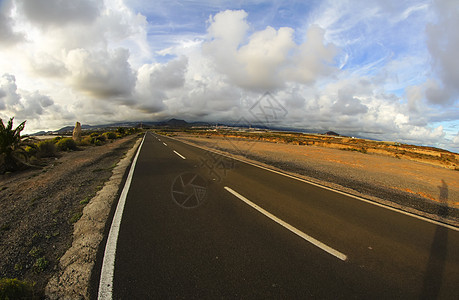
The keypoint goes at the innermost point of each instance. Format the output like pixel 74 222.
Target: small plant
pixel 15 289
pixel 35 251
pixel 75 217
pixel 85 201
pixel 66 144
pixel 46 148
pixel 40 264
pixel 36 236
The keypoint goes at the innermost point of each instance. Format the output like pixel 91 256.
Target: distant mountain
pixel 177 123
pixel 331 133
pixel 172 123
pixel 38 133
pixel 69 129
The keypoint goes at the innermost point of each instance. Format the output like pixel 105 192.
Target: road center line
pixel 164 144
pixel 296 231
pixel 179 154
pixel 108 264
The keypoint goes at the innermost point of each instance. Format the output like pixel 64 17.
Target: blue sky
pixel 383 69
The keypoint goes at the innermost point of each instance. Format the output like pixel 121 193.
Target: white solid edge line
pixel 286 225
pixel 108 264
pixel 331 189
pixel 179 154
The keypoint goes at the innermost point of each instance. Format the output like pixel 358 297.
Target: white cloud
pixel 313 58
pixel 23 104
pixel 269 58
pixel 455 142
pixel 264 57
pixel 102 74
pixel 155 81
pixel 9 97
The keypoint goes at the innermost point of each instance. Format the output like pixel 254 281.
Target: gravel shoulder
pixel 39 208
pixel 416 187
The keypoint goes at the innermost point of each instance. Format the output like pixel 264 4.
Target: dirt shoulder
pixel 417 187
pixel 39 207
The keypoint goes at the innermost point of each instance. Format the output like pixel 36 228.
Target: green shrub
pixel 133 130
pixel 66 144
pixel 40 264
pixel 85 141
pixel 110 135
pixel 15 289
pixel 121 130
pixel 31 150
pixel 46 148
pixel 98 140
pixel 101 138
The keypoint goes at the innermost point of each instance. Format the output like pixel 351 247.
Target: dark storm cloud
pixel 443 44
pixel 7 35
pixel 59 12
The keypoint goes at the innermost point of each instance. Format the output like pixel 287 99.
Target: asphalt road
pixel 186 232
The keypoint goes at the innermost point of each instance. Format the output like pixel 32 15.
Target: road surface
pixel 197 225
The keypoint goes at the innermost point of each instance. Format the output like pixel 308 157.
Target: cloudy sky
pixel 384 69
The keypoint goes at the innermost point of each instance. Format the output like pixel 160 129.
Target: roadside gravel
pixel 39 207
